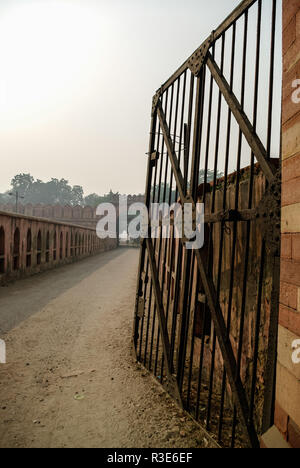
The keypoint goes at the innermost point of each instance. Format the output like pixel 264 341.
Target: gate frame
pixel 267 214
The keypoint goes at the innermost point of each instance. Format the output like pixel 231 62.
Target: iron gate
pixel 206 320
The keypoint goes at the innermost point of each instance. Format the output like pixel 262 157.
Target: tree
pixel 5 198
pixel 55 191
pixel 210 175
pixel 92 200
pixel 22 183
pixel 77 195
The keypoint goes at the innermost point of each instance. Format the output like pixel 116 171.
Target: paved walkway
pixel 71 379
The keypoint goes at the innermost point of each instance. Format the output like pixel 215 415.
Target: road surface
pixel 71 379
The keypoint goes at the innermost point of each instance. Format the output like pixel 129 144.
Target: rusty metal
pixel 228 22
pixel 171 381
pixel 206 319
pixel 269 215
pixel 197 60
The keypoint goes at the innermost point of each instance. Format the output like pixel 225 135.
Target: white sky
pixel 77 79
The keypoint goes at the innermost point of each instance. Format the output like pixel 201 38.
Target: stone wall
pixel 83 216
pixel 287 414
pixel 80 215
pixel 29 245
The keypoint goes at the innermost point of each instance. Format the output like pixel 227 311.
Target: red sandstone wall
pixel 287 417
pixel 82 216
pixel 28 245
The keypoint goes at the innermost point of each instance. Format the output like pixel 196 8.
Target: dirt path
pixel 71 379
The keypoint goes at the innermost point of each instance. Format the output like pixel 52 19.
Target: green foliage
pixel 210 176
pixel 164 195
pixel 52 192
pixel 22 183
pixel 95 200
pixel 58 191
pixel 5 198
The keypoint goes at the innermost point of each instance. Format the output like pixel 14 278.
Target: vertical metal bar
pixel 171 240
pixel 206 318
pixel 181 137
pixel 148 323
pixel 188 254
pixel 261 275
pixel 155 243
pixel 180 248
pixel 228 141
pixel 184 314
pixel 191 357
pixel 155 190
pixel 194 189
pixel 271 363
pixel 211 381
pixel 188 136
pixel 197 133
pixel 176 300
pixel 269 403
pixel 161 233
pixel 257 329
pixel 205 321
pixel 271 83
pixel 208 130
pixel 147 267
pixel 143 247
pixel 237 202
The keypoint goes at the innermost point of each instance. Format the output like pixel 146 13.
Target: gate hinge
pixel 269 215
pixel 197 60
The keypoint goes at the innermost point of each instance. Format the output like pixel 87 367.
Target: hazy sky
pixel 77 79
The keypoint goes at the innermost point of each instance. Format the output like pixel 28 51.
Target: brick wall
pixel 80 215
pixel 287 415
pixel 30 245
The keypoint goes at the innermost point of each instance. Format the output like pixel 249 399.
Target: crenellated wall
pixel 29 245
pixel 80 215
pixel 83 216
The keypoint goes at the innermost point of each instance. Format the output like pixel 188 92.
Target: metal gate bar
pixel 205 320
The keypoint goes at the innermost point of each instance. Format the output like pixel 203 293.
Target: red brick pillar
pixel 287 415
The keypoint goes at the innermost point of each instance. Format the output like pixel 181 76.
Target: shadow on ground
pixel 24 298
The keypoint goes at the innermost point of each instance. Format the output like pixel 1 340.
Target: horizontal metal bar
pixel 231 215
pixel 227 23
